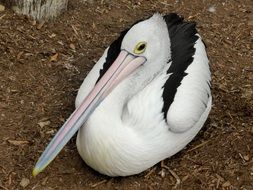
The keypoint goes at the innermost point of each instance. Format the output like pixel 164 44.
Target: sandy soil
pixel 41 68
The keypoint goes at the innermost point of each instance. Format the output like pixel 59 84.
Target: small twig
pixel 194 161
pixel 164 3
pixel 40 25
pixel 198 146
pixel 249 69
pixel 218 183
pixel 99 183
pixel 2 16
pixel 185 178
pixel 74 28
pixel 178 181
pixel 3 169
pixel 1 186
pixel 150 172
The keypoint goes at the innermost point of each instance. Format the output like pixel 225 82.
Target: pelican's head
pixel 143 48
pixel 149 39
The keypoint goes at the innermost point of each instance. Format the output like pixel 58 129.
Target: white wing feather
pixel 192 95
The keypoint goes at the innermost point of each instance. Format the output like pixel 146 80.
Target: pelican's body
pixel 155 109
pixel 127 133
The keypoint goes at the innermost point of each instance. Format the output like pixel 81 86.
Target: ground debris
pixel 24 182
pixel 54 57
pixel 178 181
pixel 212 9
pixel 40 25
pixel 99 183
pixel 72 46
pixel 44 181
pixel 2 8
pixel 18 142
pixel 44 123
pixel 226 184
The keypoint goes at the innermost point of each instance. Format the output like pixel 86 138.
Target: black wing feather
pixel 183 38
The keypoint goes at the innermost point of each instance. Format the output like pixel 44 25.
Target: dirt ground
pixel 42 66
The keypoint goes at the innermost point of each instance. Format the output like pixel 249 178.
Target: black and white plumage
pixel 144 100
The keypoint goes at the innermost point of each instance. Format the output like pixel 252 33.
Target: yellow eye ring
pixel 140 47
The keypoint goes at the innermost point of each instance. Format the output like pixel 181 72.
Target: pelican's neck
pixel 113 104
pixel 112 138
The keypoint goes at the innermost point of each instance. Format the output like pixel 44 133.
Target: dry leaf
pixel 18 142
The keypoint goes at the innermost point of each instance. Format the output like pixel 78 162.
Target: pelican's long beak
pixel 124 65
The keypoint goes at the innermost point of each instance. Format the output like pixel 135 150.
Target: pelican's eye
pixel 140 47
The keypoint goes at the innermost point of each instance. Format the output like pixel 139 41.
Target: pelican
pixel 144 100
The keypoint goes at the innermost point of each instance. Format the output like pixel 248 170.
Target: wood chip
pixel 75 30
pixel 54 57
pixel 93 25
pixel 162 173
pixel 5 188
pixel 150 187
pixel 19 55
pixel 40 25
pixel 178 181
pixel 72 46
pixel 33 22
pixel 246 157
pixel 2 16
pixel 18 142
pixel 44 123
pixel 198 146
pixel 226 184
pixel 99 183
pixel 44 182
pixel 185 178
pixel 250 22
pixel 2 8
pixel 24 182
pixel 150 172
pixel 52 35
pixel 50 132
pixel 211 9
pixel 249 69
